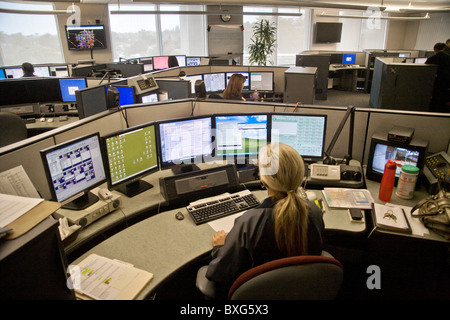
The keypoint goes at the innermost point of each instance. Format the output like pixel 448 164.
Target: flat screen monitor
pixel 2 74
pixel 304 132
pixel 245 74
pixel 152 97
pixel 91 101
pixel 348 58
pixel 29 90
pixel 73 168
pixel 193 78
pixel 185 142
pixel 127 95
pixel 130 154
pixel 381 150
pixel 59 71
pixel 12 73
pixel 240 136
pixel 261 81
pixel 86 37
pixel 41 71
pixel 420 60
pixel 181 60
pixel 404 54
pixel 68 86
pixel 160 63
pixel 148 63
pixel 193 61
pixel 214 82
pixel 328 32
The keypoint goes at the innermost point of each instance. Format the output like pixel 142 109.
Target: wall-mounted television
pixel 328 32
pixel 86 37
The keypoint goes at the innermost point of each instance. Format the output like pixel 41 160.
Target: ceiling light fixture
pixel 373 16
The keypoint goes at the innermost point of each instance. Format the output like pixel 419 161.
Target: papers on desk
pixel 101 278
pixel 348 198
pixel 225 223
pixel 391 218
pixel 16 182
pixel 13 207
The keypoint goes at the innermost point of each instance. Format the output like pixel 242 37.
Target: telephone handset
pixel 325 171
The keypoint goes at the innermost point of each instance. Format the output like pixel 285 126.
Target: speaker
pixel 351 173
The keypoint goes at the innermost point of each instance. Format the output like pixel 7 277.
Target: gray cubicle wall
pixel 322 63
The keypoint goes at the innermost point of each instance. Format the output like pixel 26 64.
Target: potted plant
pixel 263 42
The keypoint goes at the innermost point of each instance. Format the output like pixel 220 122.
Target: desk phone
pixel 438 164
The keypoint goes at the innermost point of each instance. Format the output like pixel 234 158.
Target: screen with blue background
pixel 126 95
pixel 348 58
pixel 2 74
pixel 69 86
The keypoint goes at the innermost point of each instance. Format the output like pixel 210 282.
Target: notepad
pixel 348 198
pixel 101 278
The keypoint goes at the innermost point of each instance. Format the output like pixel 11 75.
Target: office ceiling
pixel 404 6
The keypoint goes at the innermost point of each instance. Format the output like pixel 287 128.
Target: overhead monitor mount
pixel 328 159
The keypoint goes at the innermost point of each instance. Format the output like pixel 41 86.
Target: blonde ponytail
pixel 282 170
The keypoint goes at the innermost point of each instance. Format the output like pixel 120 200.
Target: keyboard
pixel 216 207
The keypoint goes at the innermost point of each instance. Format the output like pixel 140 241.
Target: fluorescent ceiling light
pixel 209 13
pixel 374 16
pixel 20 11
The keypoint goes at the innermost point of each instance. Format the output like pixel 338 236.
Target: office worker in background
pixel 28 70
pixel 441 95
pixel 447 46
pixel 233 91
pixel 282 225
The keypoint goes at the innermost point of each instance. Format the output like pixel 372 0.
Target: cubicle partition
pixel 428 126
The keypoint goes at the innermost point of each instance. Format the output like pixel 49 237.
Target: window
pixel 29 37
pixel 137 35
pixel 292 33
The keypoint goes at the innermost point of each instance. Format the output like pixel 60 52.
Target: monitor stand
pixel 134 188
pixel 82 202
pixel 183 168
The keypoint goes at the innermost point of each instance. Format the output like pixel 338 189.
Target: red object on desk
pixel 387 181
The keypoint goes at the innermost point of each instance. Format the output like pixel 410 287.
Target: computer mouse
pixel 179 215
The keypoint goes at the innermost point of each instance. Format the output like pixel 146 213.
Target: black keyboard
pixel 212 208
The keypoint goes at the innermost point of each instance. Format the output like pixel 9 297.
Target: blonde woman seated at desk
pixel 233 91
pixel 282 225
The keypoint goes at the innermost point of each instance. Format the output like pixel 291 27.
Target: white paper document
pixel 13 207
pixel 16 182
pixel 225 223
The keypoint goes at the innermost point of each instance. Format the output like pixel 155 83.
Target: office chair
pixel 291 278
pixel 12 128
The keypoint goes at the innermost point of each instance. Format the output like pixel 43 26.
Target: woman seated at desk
pixel 282 225
pixel 233 91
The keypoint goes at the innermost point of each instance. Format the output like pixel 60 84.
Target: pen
pixel 322 205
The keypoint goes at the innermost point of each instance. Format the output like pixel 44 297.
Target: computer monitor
pixel 59 71
pixel 193 78
pixel 86 37
pixel 127 94
pixel 240 136
pixel 91 101
pixel 68 86
pixel 214 82
pixel 148 63
pixel 73 168
pixel 304 132
pixel 193 61
pixel 129 155
pixel 185 142
pixel 2 74
pixel 381 150
pixel 181 60
pixel 404 54
pixel 152 97
pixel 261 81
pixel 12 73
pixel 420 60
pixel 348 58
pixel 245 74
pixel 160 63
pixel 41 71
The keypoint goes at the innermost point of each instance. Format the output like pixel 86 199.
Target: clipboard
pixel 32 218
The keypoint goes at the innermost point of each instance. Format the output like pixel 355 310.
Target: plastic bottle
pixel 407 182
pixel 387 181
pixel 255 95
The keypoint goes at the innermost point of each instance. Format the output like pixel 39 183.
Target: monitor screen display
pixel 261 81
pixel 214 82
pixel 75 167
pixel 305 133
pixel 348 58
pixel 126 95
pixel 59 71
pixel 130 154
pixel 181 60
pixel 68 86
pixel 245 74
pixel 2 74
pixel 400 155
pixel 193 79
pixel 13 73
pixel 160 63
pixel 41 71
pixel 240 135
pixel 153 97
pixel 193 61
pixel 148 63
pixel 328 32
pixel 86 37
pixel 184 141
pixel 420 60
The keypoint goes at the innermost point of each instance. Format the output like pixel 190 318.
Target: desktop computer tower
pixel 322 63
pixel 300 85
